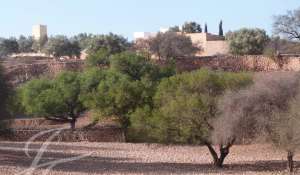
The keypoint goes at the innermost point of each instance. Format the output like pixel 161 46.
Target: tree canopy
pixel 186 105
pixel 8 46
pixel 112 43
pixel 191 27
pixel 61 46
pixel 57 99
pixel 288 25
pixel 247 41
pixel 25 44
pixel 171 45
pixel 267 110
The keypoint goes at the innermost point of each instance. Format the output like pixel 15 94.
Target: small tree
pixel 288 24
pixel 56 99
pixel 247 41
pixel 191 27
pixel 205 28
pixel 172 45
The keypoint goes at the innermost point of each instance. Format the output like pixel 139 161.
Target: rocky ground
pixel 123 158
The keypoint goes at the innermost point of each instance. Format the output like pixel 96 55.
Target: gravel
pixel 125 158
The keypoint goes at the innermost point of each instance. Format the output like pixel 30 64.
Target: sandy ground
pixel 123 158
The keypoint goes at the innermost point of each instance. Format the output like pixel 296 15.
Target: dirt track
pixel 121 158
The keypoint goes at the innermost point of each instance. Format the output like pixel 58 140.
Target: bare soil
pixel 125 158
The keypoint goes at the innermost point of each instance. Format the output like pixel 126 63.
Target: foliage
pixel 56 99
pixel 99 58
pixel 8 46
pixel 171 45
pixel 221 33
pixel 288 25
pixel 262 111
pixel 191 27
pixel 25 44
pixel 111 42
pixel 247 41
pixel 61 46
pixel 115 96
pixel 188 101
pixel 83 39
pixel 185 106
pixel 174 29
pixel 135 66
pixel 127 85
pixel 205 28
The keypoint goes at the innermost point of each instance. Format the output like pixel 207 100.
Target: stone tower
pixel 39 31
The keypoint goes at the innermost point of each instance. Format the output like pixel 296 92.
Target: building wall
pixel 216 48
pixel 39 31
pixel 210 44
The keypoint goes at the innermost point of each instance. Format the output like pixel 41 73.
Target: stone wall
pixel 19 73
pixel 240 63
pixel 104 134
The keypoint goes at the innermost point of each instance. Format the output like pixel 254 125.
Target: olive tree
pixel 172 45
pixel 263 110
pixel 112 43
pixel 247 41
pixel 61 46
pixel 285 132
pixel 57 99
pixel 288 25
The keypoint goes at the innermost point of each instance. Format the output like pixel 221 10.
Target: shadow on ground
pixel 96 164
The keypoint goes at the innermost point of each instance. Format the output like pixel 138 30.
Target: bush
pixel 247 41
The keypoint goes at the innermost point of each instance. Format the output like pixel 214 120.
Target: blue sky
pixel 124 17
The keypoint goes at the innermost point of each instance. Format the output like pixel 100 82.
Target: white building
pixel 143 35
pixel 39 31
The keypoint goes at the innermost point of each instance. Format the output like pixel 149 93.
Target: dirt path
pixel 122 158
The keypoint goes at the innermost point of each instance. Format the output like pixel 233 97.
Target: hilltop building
pixel 210 44
pixel 39 31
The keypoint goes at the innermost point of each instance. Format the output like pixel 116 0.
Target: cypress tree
pixel 221 33
pixel 205 29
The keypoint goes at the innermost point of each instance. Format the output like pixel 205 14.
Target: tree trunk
pixel 72 124
pixel 290 164
pixel 224 151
